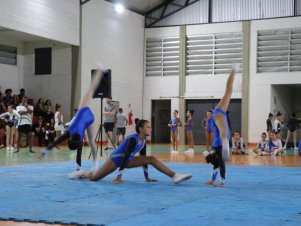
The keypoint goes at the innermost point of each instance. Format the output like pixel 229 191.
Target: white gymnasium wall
pixel 11 76
pixel 57 85
pixel 159 87
pixel 212 86
pixel 117 41
pixel 53 19
pixel 261 99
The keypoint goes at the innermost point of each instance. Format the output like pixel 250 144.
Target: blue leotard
pixel 209 124
pixel 217 141
pixel 174 122
pixel 118 155
pixel 83 119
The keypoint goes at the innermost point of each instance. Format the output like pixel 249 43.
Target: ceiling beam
pixel 149 21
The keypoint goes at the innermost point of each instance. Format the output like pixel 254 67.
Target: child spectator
pixel 275 145
pixel 238 146
pixel 262 147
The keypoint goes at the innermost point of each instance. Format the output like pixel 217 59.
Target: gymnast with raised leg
pixel 124 157
pixel 82 121
pixel 222 133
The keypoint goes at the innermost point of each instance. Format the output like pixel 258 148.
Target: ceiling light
pixel 119 8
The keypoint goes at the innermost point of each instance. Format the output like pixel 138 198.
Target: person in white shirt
pixel 25 123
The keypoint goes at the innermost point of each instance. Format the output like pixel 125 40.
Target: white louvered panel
pixel 200 54
pixel 279 50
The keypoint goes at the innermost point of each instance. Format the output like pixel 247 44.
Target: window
pixel 8 55
pixel 213 53
pixel 279 50
pixel 43 61
pixel 162 56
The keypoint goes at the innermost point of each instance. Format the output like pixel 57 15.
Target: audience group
pixel 19 115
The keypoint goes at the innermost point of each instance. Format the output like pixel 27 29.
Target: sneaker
pixel 76 175
pixel 189 151
pixel 16 151
pixel 12 148
pixel 174 152
pixel 7 148
pixel 296 148
pixel 284 147
pixel 1 146
pixel 178 178
pixel 31 151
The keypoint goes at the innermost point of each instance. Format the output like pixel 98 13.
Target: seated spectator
pixel 50 133
pixel 262 147
pixel 40 131
pixel 275 144
pixel 238 146
pixel 39 108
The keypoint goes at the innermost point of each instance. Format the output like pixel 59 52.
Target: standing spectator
pixel 109 121
pixel 173 124
pixel 208 126
pixel 25 123
pixel 292 126
pixel 10 117
pixel 2 124
pixel 269 124
pixel 59 126
pixel 278 123
pixel 121 123
pixel 189 133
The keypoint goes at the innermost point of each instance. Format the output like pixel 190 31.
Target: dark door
pixel 160 118
pixel 201 107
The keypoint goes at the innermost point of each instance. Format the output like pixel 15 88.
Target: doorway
pixel 201 107
pixel 161 114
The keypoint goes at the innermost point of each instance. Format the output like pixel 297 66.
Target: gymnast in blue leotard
pixel 83 121
pixel 173 124
pixel 125 157
pixel 221 133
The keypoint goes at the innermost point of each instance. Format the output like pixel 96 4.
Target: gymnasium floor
pixel 254 191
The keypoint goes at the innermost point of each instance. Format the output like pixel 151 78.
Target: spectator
pixel 173 124
pixel 25 124
pixel 269 124
pixel 39 130
pixel 278 123
pixel 10 117
pixel 59 125
pixel 262 147
pixel 121 123
pixel 189 133
pixel 208 126
pixel 8 98
pixel 275 145
pixel 292 126
pixel 109 120
pixel 238 146
pixel 21 95
pixel 39 108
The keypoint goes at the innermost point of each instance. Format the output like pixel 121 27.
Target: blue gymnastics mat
pixel 253 195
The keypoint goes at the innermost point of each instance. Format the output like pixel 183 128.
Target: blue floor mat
pixel 253 195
